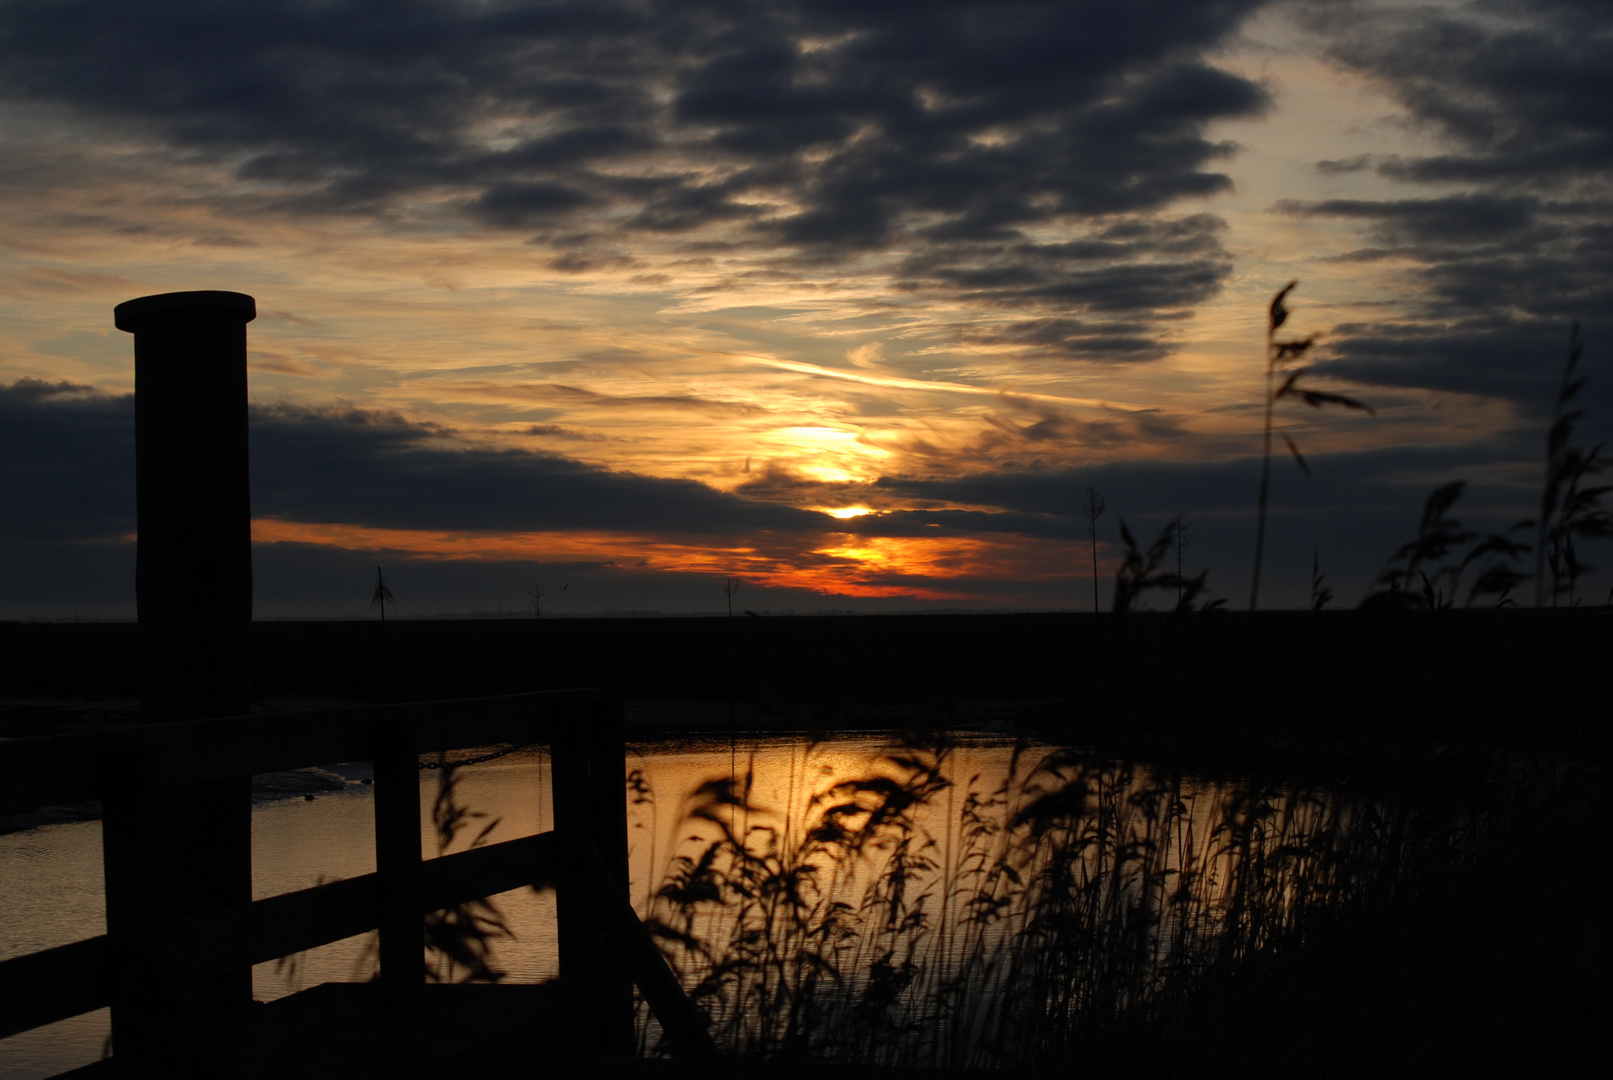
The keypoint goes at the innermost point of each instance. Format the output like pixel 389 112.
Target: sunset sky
pixel 849 300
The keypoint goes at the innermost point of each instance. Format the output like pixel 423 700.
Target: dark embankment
pixel 1445 676
pixel 1441 911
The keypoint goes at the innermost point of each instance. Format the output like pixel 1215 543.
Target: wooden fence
pixel 604 949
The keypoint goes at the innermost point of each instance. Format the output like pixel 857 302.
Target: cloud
pixel 1465 220
pixel 1226 487
pixel 66 463
pixel 1521 90
pixel 516 205
pixel 1057 338
pixel 870 356
pixel 67 455
pixel 1344 166
pixel 1133 266
pixel 384 471
pixel 1353 511
pixel 430 495
pixel 576 396
pixel 1518 99
pixel 555 431
pixel 1515 361
pixel 381 470
pixel 796 136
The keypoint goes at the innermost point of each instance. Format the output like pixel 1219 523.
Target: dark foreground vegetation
pixel 1363 843
pixel 1095 913
pixel 1353 842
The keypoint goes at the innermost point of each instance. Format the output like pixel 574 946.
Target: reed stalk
pixel 911 916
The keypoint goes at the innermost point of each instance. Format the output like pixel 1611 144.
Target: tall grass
pixel 1430 570
pixel 1280 356
pixel 914 916
pixel 1569 506
pixel 459 940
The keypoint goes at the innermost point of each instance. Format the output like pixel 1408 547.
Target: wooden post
pixel 193 584
pixel 590 816
pixel 607 781
pixel 576 930
pixel 607 776
pixel 397 865
pixel 193 578
pixel 397 853
pixel 129 827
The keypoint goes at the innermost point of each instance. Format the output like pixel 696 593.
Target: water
pixel 51 885
pixel 50 877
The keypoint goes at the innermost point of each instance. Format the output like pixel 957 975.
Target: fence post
pixel 193 583
pixel 607 781
pixel 590 812
pixel 128 829
pixel 397 864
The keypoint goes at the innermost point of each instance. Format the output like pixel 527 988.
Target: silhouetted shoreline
pixel 1329 677
pixel 1452 762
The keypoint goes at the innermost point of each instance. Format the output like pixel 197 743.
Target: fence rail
pixel 54 769
pixel 585 856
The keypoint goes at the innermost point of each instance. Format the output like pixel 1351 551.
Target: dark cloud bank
pixel 67 483
pixel 68 468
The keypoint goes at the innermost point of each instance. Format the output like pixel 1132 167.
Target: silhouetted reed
pixel 907 916
pixel 1321 595
pixel 1568 507
pixel 1279 355
pixel 1141 571
pixel 459 940
pixel 1428 571
pixel 1096 505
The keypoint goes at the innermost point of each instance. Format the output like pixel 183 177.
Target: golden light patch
pixel 921 566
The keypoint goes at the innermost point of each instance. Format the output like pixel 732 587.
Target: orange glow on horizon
pixel 878 566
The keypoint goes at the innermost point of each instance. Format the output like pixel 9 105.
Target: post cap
pixel 133 315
